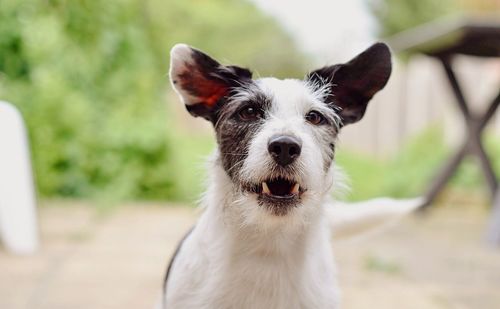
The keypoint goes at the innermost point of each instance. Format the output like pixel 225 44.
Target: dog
pixel 263 240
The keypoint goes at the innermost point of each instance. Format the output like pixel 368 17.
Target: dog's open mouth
pixel 279 188
pixel 279 195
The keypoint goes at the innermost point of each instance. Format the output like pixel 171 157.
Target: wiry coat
pixel 263 240
pixel 225 263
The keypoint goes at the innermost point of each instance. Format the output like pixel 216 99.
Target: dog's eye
pixel 315 118
pixel 250 113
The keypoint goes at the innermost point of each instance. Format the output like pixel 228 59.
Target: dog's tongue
pixel 280 187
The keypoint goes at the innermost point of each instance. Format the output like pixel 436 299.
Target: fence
pixel 418 95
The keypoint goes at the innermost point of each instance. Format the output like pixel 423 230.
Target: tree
pixel 90 79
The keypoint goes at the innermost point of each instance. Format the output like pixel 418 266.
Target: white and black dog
pixel 263 240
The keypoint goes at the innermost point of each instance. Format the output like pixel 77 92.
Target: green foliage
pixel 408 174
pixel 405 175
pixel 90 79
pixel 191 160
pixel 398 15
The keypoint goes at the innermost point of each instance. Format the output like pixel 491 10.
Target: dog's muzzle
pixel 281 189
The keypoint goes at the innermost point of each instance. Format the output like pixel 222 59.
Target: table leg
pixel 490 112
pixel 473 145
pixel 455 87
pixel 477 148
pixel 443 177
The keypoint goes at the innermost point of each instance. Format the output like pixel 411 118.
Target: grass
pixel 382 265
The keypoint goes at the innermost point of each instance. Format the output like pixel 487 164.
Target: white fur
pixel 291 101
pixel 226 263
pixel 181 53
pixel 239 254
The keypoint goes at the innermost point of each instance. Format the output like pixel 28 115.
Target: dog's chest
pixel 223 277
pixel 265 282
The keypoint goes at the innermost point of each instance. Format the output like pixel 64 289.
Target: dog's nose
pixel 284 149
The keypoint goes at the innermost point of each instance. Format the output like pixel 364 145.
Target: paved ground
pixel 92 259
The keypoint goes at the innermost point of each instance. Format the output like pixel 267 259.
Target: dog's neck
pixel 230 221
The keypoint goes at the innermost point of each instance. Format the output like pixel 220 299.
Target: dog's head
pixel 277 137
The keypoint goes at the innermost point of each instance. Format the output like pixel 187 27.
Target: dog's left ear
pixel 201 82
pixel 351 85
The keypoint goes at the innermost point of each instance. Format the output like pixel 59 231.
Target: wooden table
pixel 443 40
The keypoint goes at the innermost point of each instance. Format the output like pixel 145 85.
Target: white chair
pixel 18 220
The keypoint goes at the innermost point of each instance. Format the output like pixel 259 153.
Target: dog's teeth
pixel 295 189
pixel 265 188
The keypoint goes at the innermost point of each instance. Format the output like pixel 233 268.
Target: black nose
pixel 284 149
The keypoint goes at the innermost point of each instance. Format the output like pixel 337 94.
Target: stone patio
pixel 116 259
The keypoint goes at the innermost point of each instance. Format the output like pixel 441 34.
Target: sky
pixel 329 30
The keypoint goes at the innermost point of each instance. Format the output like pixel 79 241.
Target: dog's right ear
pixel 351 85
pixel 201 82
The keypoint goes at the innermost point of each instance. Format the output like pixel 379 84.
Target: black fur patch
pixel 234 135
pixel 354 83
pixel 209 82
pixel 278 206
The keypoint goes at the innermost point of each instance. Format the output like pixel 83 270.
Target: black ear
pixel 201 82
pixel 353 84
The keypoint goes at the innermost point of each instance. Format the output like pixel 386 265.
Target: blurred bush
pixel 90 79
pixel 397 15
pixel 410 171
